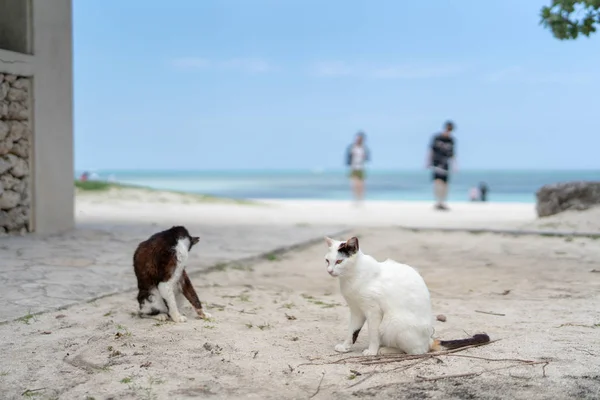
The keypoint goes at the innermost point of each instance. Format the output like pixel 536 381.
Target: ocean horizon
pixel 517 186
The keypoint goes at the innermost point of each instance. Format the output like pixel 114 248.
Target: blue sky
pixel 255 84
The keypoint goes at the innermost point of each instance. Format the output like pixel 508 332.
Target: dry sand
pixel 587 221
pixel 276 323
pixel 135 205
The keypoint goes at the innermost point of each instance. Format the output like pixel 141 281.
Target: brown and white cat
pixel 159 265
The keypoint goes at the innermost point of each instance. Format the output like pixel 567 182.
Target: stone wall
pixel 558 197
pixel 15 154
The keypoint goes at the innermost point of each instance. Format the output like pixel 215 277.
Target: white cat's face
pixel 340 255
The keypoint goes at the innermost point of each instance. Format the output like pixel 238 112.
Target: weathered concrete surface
pixel 41 274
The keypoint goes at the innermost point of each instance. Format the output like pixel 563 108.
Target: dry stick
pixel 423 379
pixel 245 312
pixel 403 368
pixel 491 359
pixel 585 351
pixel 387 360
pixel 490 313
pixel 319 386
pixel 390 358
pixel 525 378
pixel 29 391
pixel 468 374
pixel 544 368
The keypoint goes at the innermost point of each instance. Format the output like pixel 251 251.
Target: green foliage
pixel 567 19
pixel 102 186
pixel 93 185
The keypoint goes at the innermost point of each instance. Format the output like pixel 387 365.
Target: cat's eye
pixel 327 261
pixel 338 262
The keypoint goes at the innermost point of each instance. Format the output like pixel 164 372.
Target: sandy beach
pixel 135 206
pixel 277 318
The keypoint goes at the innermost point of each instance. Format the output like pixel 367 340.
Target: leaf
pixel 564 18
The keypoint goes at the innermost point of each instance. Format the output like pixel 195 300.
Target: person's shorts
pixel 358 174
pixel 440 174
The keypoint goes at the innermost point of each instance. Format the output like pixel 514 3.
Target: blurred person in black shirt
pixel 441 155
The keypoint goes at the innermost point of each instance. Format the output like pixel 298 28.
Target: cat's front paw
pixel 369 352
pixel 179 318
pixel 203 314
pixel 342 348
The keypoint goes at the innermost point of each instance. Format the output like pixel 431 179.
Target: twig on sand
pixel 585 351
pixel 469 374
pixel 491 359
pixel 403 368
pixel 544 368
pixel 490 313
pixel 245 312
pixel 319 386
pixel 30 392
pixel 579 325
pixel 397 369
pixel 393 358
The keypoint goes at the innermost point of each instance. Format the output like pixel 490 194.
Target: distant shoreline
pixel 126 204
pixel 128 192
pixel 98 186
pixel 406 186
pixel 334 171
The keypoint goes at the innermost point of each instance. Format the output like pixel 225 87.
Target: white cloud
pixel 248 64
pixel 414 72
pixel 503 74
pixel 575 78
pixel 254 65
pixel 518 74
pixel 191 62
pixel 333 68
pixel 398 71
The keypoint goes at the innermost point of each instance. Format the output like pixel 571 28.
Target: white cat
pixel 391 297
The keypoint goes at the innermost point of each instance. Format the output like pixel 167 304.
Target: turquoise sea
pixel 504 186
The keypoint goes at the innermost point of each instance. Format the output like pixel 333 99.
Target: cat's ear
pixel 329 241
pixel 352 245
pixel 195 239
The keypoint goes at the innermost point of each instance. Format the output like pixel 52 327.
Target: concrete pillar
pixel 53 189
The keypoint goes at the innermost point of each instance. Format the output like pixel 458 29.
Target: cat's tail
pixel 479 338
